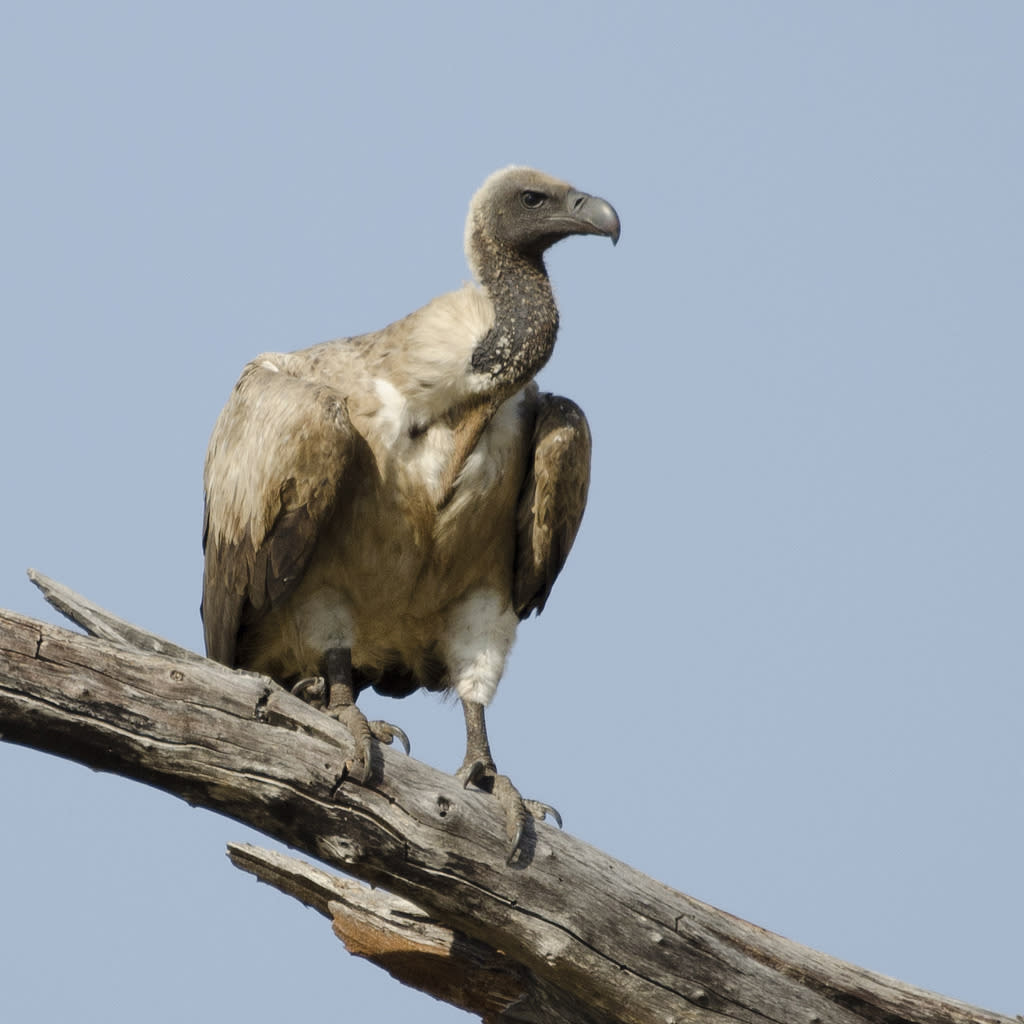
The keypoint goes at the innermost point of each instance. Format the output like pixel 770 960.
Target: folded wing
pixel 274 468
pixel 552 500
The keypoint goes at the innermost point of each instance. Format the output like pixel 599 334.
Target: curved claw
pixel 385 732
pixel 357 770
pixel 540 811
pixel 311 689
pixel 470 773
pixel 513 850
pixel 515 814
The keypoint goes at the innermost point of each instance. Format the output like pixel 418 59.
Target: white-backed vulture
pixel 383 510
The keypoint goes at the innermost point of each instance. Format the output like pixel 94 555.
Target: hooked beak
pixel 593 215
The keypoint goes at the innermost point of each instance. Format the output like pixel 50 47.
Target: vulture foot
pixel 335 694
pixel 478 768
pixel 358 768
pixel 485 776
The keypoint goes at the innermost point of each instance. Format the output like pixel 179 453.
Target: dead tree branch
pixel 583 938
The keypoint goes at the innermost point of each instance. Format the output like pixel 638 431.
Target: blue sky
pixel 783 668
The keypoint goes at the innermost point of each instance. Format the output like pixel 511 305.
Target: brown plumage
pixel 382 510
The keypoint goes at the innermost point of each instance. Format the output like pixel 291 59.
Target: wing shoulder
pixel 552 499
pixel 276 460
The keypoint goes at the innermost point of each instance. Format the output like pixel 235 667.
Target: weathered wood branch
pixel 583 938
pixel 410 945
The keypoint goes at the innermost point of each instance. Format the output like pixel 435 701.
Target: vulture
pixel 382 510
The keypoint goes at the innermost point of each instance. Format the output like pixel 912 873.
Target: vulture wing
pixel 273 470
pixel 552 500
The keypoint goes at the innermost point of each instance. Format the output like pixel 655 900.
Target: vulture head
pixel 527 211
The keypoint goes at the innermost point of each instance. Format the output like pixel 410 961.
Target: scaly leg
pixel 335 692
pixel 478 768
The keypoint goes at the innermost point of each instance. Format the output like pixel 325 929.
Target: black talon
pixel 515 814
pixel 471 773
pixel 311 689
pixel 510 857
pixel 403 739
pixel 541 811
pixel 385 732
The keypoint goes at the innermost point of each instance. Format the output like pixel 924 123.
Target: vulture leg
pixel 478 768
pixel 337 694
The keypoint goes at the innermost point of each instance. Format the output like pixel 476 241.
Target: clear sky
pixel 783 668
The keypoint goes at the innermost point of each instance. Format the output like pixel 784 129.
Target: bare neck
pixel 525 315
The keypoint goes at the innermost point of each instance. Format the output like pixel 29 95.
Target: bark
pixel 582 937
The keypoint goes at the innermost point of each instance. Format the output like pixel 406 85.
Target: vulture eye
pixel 533 200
